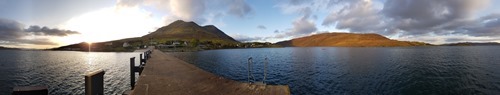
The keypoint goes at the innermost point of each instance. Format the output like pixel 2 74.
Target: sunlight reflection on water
pixel 62 71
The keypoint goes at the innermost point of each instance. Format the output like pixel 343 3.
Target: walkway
pixel 168 75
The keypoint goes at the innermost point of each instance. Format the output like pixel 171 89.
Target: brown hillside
pixel 347 40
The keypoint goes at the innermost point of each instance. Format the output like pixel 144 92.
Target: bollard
pixel 149 53
pixel 142 59
pixel 94 83
pixel 132 72
pixel 146 53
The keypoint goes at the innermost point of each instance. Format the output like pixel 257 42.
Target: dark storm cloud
pixel 12 32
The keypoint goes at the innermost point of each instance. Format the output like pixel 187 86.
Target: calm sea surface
pixel 337 70
pixel 319 70
pixel 62 71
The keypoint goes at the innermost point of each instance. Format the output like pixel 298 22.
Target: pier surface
pixel 167 75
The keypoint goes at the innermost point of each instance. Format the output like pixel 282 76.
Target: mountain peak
pixel 209 26
pixel 183 30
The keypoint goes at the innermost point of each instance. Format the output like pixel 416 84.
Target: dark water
pixel 62 71
pixel 330 70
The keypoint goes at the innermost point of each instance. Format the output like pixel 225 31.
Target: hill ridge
pixel 347 40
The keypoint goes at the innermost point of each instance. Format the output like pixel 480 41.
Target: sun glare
pixel 88 42
pixel 112 24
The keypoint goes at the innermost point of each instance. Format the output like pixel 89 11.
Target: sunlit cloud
pixel 200 11
pixel 14 34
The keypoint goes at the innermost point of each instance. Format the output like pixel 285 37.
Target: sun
pixel 88 42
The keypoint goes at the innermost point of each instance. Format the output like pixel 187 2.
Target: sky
pixel 53 23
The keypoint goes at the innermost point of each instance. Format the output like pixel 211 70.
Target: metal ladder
pixel 250 69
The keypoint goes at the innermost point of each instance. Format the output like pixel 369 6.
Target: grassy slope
pixel 180 30
pixel 348 40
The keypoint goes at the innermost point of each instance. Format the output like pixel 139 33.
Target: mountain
pixel 181 30
pixel 219 33
pixel 472 44
pixel 175 31
pixel 347 40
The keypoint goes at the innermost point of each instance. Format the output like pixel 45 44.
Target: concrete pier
pixel 168 75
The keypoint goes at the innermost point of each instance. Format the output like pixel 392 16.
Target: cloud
pixel 302 26
pixel 360 16
pixel 262 27
pixel 50 32
pixel 413 18
pixel 14 33
pixel 487 26
pixel 188 9
pixel 129 3
pixel 276 31
pixel 199 11
pixel 239 8
pixel 244 38
pixel 10 29
pixel 431 16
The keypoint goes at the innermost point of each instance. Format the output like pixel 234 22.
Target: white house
pixel 126 44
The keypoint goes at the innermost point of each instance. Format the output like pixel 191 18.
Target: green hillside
pixel 190 34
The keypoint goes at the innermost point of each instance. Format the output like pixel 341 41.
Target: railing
pixel 250 71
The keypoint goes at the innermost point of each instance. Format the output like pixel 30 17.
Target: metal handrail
pixel 250 66
pixel 265 70
pixel 250 69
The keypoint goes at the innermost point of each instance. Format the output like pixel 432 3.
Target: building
pixel 126 44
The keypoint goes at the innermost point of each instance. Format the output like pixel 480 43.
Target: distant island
pixel 189 36
pixel 347 40
pixel 7 48
pixel 472 44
